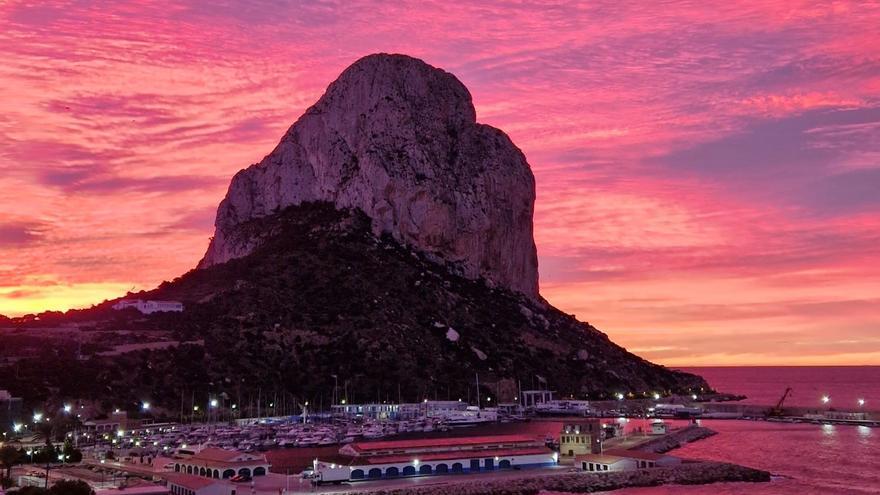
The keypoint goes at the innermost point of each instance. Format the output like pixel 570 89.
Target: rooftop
pixel 191 482
pixel 347 460
pixel 441 442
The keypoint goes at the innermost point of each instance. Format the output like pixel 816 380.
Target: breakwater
pixel 691 473
pixel 675 439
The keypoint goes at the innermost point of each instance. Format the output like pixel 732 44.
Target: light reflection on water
pixel 805 459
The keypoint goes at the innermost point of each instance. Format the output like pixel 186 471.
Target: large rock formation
pixel 398 139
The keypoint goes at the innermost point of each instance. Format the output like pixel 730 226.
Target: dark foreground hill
pixel 323 296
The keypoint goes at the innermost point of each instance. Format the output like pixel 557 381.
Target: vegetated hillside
pixel 323 296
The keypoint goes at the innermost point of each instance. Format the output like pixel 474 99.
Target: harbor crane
pixel 776 411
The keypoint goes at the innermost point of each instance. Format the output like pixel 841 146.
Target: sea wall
pixel 675 439
pixel 694 473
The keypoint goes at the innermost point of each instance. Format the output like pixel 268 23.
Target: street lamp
pixel 16 427
pixel 826 399
pixel 67 408
pixel 619 396
pixel 656 396
pixel 145 406
pixel 38 417
pixel 213 402
pixel 861 402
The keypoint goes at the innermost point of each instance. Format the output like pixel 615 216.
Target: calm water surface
pixel 806 459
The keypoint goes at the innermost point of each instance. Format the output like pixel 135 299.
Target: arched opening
pixel 457 467
pixel 392 472
pixel 177 468
pixel 357 474
pixel 441 469
pixel 375 473
pixel 260 471
pixel 244 472
pixel 504 464
pixel 409 471
pixel 202 471
pixel 215 474
pixel 425 469
pixel 189 470
pixel 229 473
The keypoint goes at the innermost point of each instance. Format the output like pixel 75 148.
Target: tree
pixel 9 457
pixel 69 487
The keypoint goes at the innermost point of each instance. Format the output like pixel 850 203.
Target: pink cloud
pixel 703 173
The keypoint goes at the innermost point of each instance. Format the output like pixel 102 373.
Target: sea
pixel 804 459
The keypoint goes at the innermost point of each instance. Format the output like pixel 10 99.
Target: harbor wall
pixel 675 439
pixel 692 473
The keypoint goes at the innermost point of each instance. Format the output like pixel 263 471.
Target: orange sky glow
pixel 708 178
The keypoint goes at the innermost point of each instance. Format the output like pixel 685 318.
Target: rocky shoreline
pixel 690 473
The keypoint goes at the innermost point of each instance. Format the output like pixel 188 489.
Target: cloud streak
pixel 706 177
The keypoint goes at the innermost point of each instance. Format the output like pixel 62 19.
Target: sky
pixel 708 179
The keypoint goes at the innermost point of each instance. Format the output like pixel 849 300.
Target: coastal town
pixel 367 447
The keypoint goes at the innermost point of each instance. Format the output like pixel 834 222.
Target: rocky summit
pixel 398 139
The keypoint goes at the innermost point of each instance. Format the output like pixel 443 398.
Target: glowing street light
pixel 213 402
pixel 619 396
pixel 38 417
pixel 195 408
pixel 68 408
pixel 120 433
pixel 694 396
pixel 16 427
pixel 656 396
pixel 145 406
pixel 861 402
pixel 826 399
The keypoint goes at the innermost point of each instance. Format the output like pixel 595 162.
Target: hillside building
pixel 148 307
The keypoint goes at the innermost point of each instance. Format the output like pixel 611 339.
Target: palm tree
pixel 45 430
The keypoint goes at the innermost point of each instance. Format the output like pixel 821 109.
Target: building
pixel 413 410
pixel 116 422
pixel 10 411
pixel 183 484
pixel 222 464
pixel 623 460
pixel 423 457
pixel 367 411
pixel 568 407
pixel 581 437
pixel 531 398
pixel 147 307
pixel 431 409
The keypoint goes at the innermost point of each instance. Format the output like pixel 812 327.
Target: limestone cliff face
pixel 398 139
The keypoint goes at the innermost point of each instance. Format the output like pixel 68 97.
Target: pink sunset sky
pixel 708 179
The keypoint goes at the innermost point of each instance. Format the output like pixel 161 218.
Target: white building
pixel 369 411
pixel 147 307
pixel 438 456
pixel 222 464
pixel 623 460
pixel 182 484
